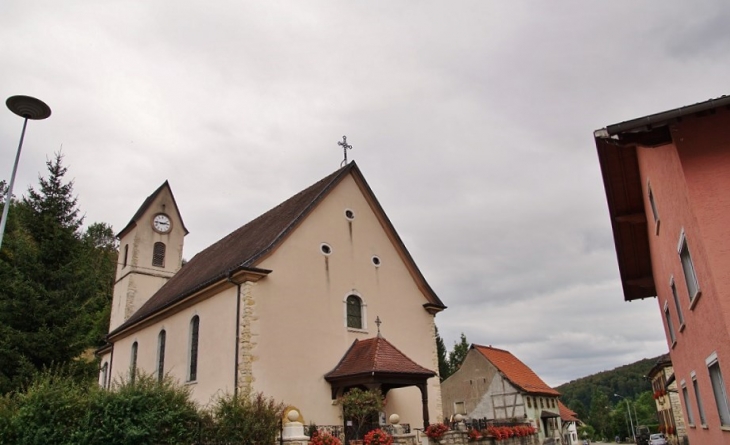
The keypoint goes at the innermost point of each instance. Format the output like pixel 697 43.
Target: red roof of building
pixel 375 355
pixel 515 371
pixel 567 414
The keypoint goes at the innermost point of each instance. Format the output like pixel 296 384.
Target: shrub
pixel 359 406
pixel 48 412
pixel 246 419
pixel 140 413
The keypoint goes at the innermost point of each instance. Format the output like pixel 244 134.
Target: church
pixel 314 297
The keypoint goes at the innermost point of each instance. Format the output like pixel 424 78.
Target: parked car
pixel 657 439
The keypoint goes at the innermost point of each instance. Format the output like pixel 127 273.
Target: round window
pixel 376 260
pixel 325 248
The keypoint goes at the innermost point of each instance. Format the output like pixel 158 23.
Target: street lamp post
pixel 28 108
pixel 628 408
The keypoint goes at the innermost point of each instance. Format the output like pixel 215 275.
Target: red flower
pixel 378 437
pixel 436 431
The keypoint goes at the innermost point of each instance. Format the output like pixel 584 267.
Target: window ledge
pixel 191 382
pixel 359 331
pixel 656 227
pixel 725 427
pixel 674 343
pixel 681 327
pixel 691 425
pixel 704 426
pixel 693 303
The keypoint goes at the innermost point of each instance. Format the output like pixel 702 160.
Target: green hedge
pixel 56 410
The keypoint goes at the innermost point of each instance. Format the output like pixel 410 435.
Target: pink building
pixel 667 181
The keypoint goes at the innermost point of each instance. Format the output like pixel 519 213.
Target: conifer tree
pixel 54 280
pixel 444 369
pixel 458 353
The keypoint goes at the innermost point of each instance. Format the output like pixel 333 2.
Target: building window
pixel 126 254
pixel 670 325
pixel 688 407
pixel 354 312
pixel 104 374
pixel 690 275
pixel 718 390
pixel 680 315
pixel 158 255
pixel 698 396
pixel 133 363
pixel 654 211
pixel 193 362
pixel 161 355
pixel 459 408
pixel 529 402
pixel 542 402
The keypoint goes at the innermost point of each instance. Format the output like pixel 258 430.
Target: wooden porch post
pixel 424 401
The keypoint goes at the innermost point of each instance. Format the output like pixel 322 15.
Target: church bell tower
pixel 150 252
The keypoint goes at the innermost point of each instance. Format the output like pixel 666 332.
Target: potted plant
pixel 360 406
pixel 378 437
pixel 436 431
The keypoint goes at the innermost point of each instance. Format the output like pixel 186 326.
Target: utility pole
pixel 628 409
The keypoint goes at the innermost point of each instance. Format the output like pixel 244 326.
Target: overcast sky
pixel 472 121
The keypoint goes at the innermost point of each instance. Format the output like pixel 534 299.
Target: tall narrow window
pixel 354 312
pixel 126 254
pixel 133 363
pixel 104 374
pixel 161 355
pixel 193 368
pixel 670 325
pixel 158 255
pixel 690 414
pixel 654 211
pixel 700 405
pixel 690 276
pixel 680 315
pixel 718 390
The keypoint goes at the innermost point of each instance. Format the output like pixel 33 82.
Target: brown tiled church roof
pixel 515 371
pixel 375 355
pixel 247 245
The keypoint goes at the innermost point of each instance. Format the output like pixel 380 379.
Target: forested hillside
pixel 56 283
pixel 628 381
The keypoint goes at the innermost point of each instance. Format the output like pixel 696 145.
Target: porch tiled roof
pixel 567 414
pixel 375 355
pixel 515 371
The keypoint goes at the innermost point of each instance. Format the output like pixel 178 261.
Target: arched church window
pixel 161 355
pixel 104 374
pixel 354 312
pixel 193 363
pixel 158 255
pixel 133 363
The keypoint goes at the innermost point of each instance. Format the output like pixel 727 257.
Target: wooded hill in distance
pixel 628 381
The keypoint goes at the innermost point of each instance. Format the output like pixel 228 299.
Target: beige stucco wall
pixel 300 329
pixel 217 334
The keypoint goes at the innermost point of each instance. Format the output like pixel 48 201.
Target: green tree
pixel 361 406
pixel 458 354
pixel 600 414
pixel 55 282
pixel 444 369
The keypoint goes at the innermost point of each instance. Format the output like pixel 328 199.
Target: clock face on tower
pixel 161 223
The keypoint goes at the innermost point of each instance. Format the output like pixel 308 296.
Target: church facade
pixel 280 305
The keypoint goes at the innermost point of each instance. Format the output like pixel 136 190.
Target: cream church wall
pixel 216 347
pixel 299 310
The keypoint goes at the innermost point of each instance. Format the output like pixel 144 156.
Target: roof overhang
pixel 617 154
